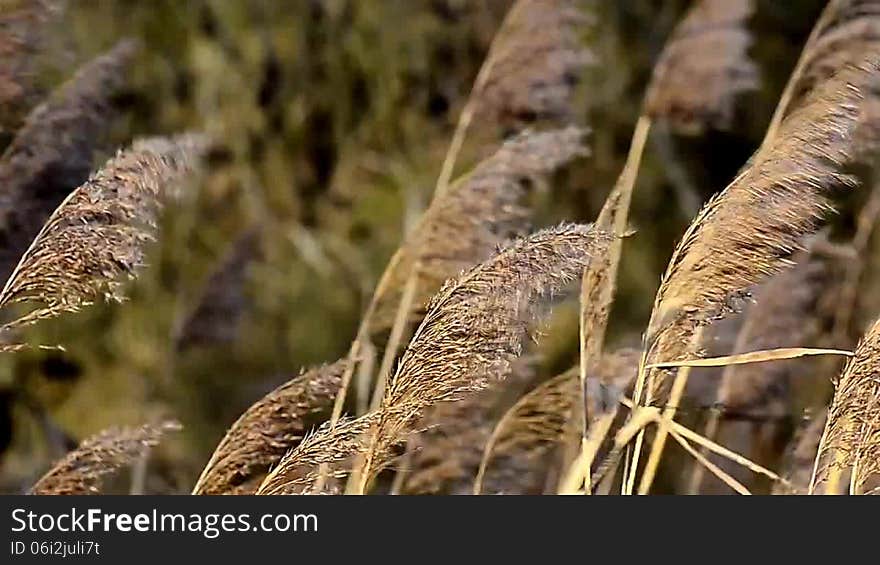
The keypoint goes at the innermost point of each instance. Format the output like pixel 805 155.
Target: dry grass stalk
pixel 643 416
pixel 269 429
pixel 474 328
pixel 52 153
pixel 710 44
pixel 23 31
pixel 851 439
pixel 98 233
pixel 82 471
pixel 703 67
pixel 530 73
pixel 599 279
pixel 326 453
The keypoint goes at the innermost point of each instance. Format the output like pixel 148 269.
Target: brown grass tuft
pixel 52 153
pixel 704 66
pixel 98 234
pixel 268 429
pixel 472 332
pixel 475 325
pixel 82 471
pixel 481 211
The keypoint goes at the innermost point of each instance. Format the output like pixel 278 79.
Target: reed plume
pixel 468 339
pixel 851 439
pixel 475 325
pixel 534 64
pixel 846 31
pixel 52 153
pixel 98 233
pixel 268 429
pixel 750 230
pixel 82 471
pixel 480 212
pixel 704 67
pixel 333 447
pixel 530 73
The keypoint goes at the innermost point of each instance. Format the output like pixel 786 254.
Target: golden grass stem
pixel 600 277
pixel 701 459
pixel 401 319
pixel 646 415
pixel 678 387
pixel 579 471
pixel 813 476
pixel 761 356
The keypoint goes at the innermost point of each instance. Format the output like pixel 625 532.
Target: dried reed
pixel 82 471
pixel 782 316
pixel 269 429
pixel 474 327
pixel 98 233
pixel 530 73
pixel 53 151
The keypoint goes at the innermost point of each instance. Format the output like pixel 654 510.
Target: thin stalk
pixel 600 279
pixel 678 386
pixel 401 319
pixel 701 459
